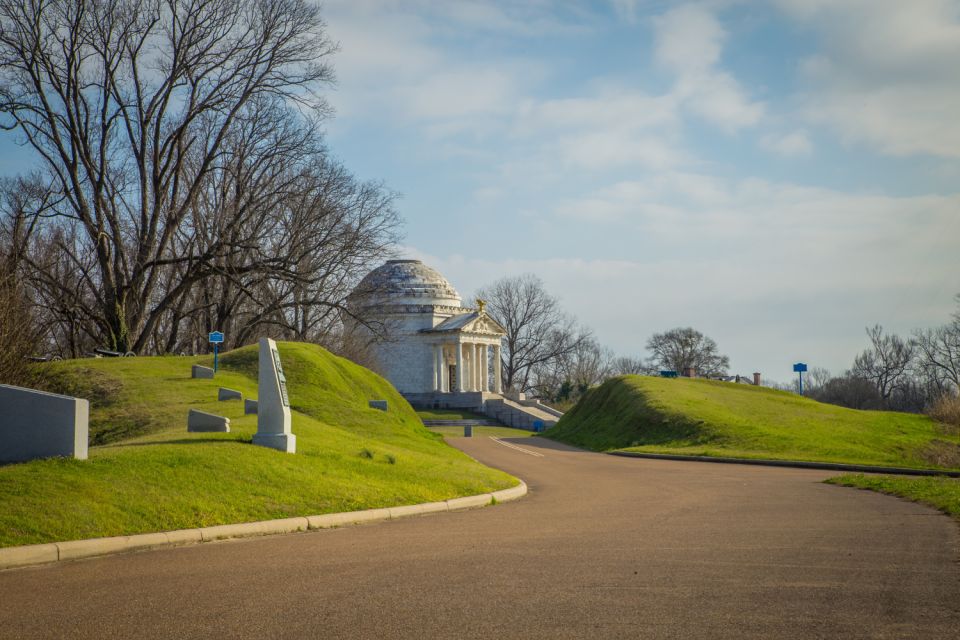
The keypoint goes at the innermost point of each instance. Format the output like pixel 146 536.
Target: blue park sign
pixel 800 367
pixel 216 339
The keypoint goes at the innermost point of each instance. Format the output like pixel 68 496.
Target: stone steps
pixel 519 416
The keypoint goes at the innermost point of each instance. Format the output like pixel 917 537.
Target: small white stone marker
pixel 273 404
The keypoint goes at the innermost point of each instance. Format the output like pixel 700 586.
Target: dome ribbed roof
pixel 402 282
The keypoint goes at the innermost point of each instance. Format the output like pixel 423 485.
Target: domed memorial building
pixel 422 339
pixel 436 352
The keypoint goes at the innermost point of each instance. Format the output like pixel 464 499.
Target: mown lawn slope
pixel 705 417
pixel 149 474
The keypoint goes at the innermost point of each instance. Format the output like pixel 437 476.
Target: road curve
pixel 602 547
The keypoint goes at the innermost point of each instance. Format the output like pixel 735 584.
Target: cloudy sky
pixel 776 174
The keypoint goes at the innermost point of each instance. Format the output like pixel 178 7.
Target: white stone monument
pixel 273 404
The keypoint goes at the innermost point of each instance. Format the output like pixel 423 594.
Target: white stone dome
pixel 404 282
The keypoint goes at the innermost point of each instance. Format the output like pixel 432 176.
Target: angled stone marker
pixel 228 394
pixel 273 404
pixel 378 404
pixel 197 371
pixel 203 422
pixel 249 406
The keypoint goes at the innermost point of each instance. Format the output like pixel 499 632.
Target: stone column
pixel 438 367
pixel 436 371
pixel 444 371
pixel 479 352
pixel 476 371
pixel 447 386
pixel 484 367
pixel 471 368
pixel 273 405
pixel 497 375
pixel 460 367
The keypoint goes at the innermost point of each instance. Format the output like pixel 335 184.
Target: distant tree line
pixel 181 181
pixel 915 373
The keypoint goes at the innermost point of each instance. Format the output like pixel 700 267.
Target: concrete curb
pixel 12 557
pixel 829 466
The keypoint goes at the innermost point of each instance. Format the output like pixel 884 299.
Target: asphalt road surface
pixel 602 547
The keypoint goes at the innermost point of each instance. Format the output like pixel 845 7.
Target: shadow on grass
pixel 242 440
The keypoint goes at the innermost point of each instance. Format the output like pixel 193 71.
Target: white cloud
pixel 390 64
pixel 689 42
pixel 623 108
pixel 718 98
pixel 613 128
pixel 689 39
pixel 795 143
pixel 453 94
pixel 888 75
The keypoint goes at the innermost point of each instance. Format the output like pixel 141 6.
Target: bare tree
pixel 815 379
pixel 848 390
pixel 938 356
pixel 683 348
pixel 886 363
pixel 570 375
pixel 131 105
pixel 625 365
pixel 539 333
pixel 18 336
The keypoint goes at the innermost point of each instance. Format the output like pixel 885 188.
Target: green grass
pixel 450 414
pixel 940 493
pixel 497 432
pixel 710 418
pixel 151 475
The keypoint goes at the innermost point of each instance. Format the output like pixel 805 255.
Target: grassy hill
pixel 148 474
pixel 705 417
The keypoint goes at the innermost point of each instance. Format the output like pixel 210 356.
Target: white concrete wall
pixel 36 424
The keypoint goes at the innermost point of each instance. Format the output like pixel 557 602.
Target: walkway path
pixel 602 547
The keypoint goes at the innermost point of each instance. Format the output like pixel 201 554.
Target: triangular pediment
pixel 473 322
pixel 483 324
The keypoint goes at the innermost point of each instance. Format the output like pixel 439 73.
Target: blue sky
pixel 776 174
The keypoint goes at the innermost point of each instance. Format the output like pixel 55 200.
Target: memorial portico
pixel 466 361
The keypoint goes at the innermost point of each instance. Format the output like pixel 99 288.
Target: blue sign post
pixel 800 368
pixel 216 339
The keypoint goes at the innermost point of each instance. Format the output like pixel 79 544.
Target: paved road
pixel 603 547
